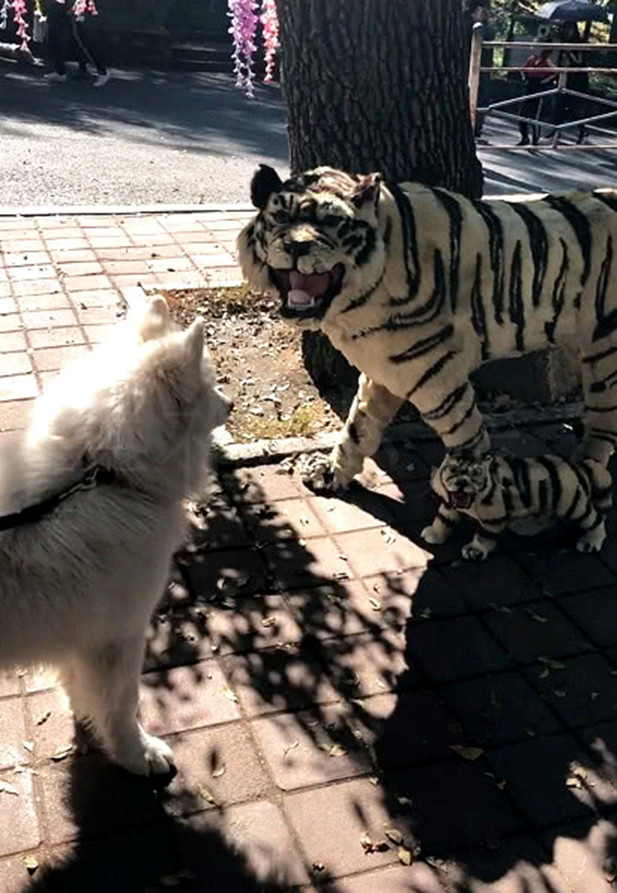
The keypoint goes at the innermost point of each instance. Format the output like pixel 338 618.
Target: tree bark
pixel 376 85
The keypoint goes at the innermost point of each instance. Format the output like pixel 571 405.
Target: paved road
pixel 185 138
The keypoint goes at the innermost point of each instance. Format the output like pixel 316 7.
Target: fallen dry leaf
pixel 31 863
pixel 220 771
pixel 319 866
pixel 6 788
pixel 404 855
pixel 62 754
pixel 375 604
pixel 539 618
pixel 372 846
pixel 337 751
pixel 292 746
pixel 468 753
pixel 268 621
pixel 394 835
pixel 551 664
pixel 230 695
pixel 28 745
pixel 206 794
pixel 388 535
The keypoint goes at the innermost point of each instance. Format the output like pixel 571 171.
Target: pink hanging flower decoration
pixel 81 7
pixel 19 12
pixel 244 20
pixel 270 23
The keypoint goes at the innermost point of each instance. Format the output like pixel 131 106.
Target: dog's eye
pixel 281 217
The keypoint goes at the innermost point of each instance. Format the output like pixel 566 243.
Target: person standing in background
pixel 66 37
pixel 572 107
pixel 538 76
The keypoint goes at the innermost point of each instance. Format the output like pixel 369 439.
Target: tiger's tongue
pixel 304 288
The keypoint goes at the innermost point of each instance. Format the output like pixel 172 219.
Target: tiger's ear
pixel 366 190
pixel 265 181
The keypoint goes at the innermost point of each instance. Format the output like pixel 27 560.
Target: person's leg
pixel 91 47
pixel 523 126
pixel 56 46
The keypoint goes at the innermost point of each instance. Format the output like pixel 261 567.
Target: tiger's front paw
pixel 323 473
pixel 435 534
pixel 593 540
pixel 474 551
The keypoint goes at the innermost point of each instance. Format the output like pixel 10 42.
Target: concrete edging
pixel 121 210
pixel 206 207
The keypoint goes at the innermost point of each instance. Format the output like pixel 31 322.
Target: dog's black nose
pixel 298 249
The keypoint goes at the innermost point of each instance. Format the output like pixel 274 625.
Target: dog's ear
pixel 194 342
pixel 155 321
pixel 265 181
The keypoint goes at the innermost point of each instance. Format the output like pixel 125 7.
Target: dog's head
pixel 144 404
pixel 180 367
pixel 177 370
pixel 315 240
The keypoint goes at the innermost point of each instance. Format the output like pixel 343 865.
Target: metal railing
pixel 496 109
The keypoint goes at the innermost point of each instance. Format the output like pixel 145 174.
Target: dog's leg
pixel 103 686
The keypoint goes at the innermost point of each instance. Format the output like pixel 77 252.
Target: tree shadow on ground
pixel 200 113
pixel 468 707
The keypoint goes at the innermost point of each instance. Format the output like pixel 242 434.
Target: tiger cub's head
pixel 314 239
pixel 461 478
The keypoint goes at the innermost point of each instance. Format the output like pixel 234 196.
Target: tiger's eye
pixel 281 217
pixel 331 220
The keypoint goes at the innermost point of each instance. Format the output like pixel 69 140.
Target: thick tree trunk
pixel 376 85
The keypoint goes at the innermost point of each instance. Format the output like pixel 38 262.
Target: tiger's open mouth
pixel 307 295
pixel 460 499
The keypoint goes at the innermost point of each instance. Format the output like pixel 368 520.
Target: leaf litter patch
pixel 258 361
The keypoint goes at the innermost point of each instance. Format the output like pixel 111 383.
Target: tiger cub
pixel 524 496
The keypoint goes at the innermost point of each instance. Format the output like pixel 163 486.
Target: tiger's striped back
pixel 417 286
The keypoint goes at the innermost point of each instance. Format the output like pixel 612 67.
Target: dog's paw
pixel 151 757
pixel 434 535
pixel 473 552
pixel 319 472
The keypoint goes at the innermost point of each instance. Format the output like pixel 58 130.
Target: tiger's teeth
pixel 300 299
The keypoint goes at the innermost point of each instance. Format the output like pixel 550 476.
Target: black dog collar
pixel 31 513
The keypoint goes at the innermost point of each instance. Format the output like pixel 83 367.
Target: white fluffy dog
pixel 91 506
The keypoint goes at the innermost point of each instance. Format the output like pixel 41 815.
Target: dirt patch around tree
pixel 258 361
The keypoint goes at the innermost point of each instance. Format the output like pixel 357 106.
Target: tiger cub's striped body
pixel 418 286
pixel 524 496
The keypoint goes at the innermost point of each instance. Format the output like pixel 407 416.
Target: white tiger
pixel 417 286
pixel 525 496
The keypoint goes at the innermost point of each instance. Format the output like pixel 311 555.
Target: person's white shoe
pixel 101 79
pixel 54 78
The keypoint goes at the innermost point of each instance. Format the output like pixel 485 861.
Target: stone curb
pixel 262 452
pixel 120 210
pixel 135 210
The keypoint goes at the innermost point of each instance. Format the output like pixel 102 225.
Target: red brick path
pixel 322 678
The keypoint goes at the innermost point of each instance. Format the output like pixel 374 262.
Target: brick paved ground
pixel 322 678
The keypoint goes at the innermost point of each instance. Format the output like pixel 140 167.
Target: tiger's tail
pixel 601 485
